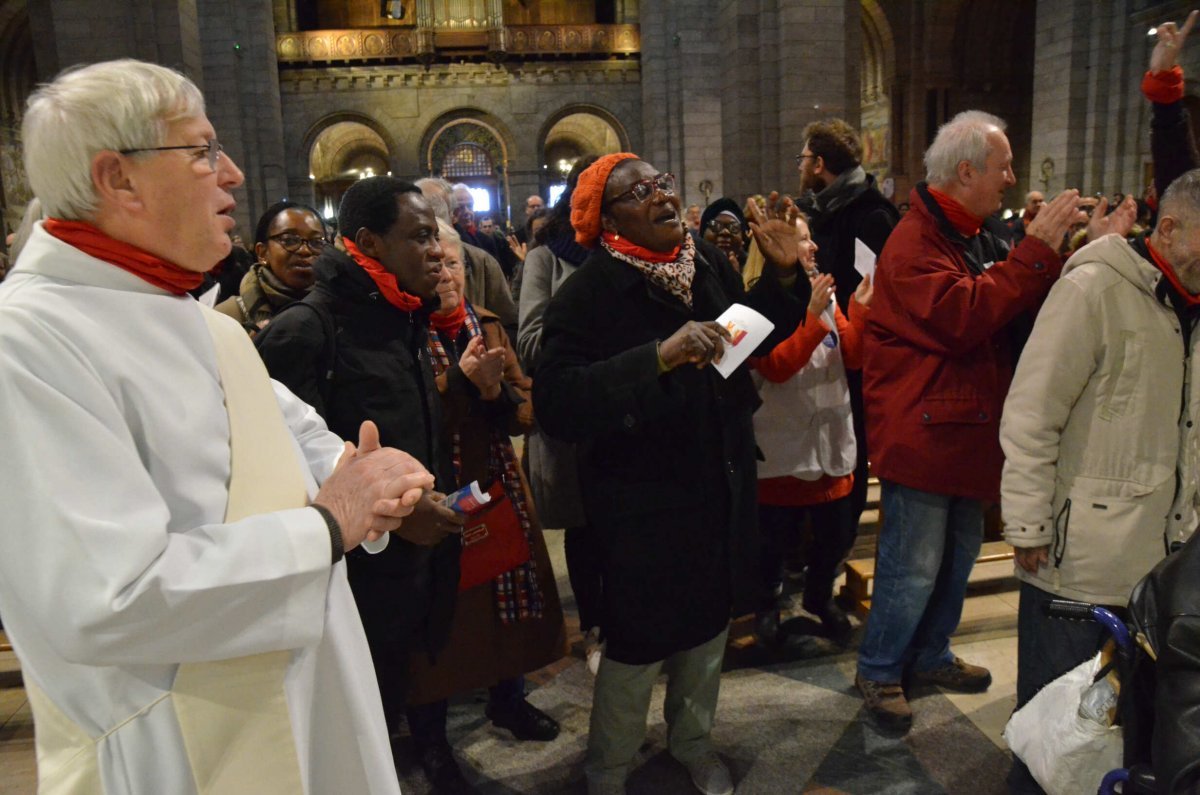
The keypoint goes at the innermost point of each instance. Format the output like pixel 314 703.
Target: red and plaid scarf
pixel 518 595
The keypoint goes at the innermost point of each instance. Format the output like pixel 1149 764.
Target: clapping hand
pixel 518 248
pixel 372 488
pixel 483 367
pixel 778 240
pixel 1118 222
pixel 822 294
pixel 1170 39
pixel 1055 218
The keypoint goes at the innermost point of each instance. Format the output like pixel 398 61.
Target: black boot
pixel 524 720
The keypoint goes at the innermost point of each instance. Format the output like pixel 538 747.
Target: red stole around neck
pixel 141 263
pixel 385 281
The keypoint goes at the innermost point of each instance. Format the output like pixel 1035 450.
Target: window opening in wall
pixel 482 200
pixel 556 192
pixel 467 160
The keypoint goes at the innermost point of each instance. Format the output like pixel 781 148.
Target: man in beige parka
pixel 1100 479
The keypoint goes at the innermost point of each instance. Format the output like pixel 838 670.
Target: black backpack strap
pixel 329 327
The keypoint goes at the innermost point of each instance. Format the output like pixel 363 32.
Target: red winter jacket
pixel 939 350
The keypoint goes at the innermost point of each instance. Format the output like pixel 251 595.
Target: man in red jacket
pixel 940 347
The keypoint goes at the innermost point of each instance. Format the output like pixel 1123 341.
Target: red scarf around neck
pixel 386 282
pixel 634 250
pixel 1169 272
pixel 141 263
pixel 964 222
pixel 452 322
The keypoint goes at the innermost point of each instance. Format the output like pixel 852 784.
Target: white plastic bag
pixel 1067 752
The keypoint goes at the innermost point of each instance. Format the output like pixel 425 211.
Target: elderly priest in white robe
pixel 171 570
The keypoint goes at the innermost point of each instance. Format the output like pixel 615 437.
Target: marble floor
pixel 783 725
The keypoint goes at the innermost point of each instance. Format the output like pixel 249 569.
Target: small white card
pixel 864 259
pixel 747 330
pixel 378 545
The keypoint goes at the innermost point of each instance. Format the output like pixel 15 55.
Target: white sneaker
pixel 593 649
pixel 710 775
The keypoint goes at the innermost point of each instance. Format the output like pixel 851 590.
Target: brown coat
pixel 482 651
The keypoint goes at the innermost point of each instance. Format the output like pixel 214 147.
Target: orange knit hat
pixel 589 194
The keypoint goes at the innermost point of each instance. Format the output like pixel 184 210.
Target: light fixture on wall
pixel 392 9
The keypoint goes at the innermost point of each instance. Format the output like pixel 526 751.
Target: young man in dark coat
pixel 355 351
pixel 844 206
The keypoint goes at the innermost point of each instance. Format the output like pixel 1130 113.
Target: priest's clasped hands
pixel 373 489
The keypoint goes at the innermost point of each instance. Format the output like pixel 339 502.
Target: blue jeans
pixel 927 547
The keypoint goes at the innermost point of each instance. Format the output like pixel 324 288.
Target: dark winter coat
pixel 869 217
pixel 380 372
pixel 667 462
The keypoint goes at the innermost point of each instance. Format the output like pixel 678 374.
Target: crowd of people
pixel 236 548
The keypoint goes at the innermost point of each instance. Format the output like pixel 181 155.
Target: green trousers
pixel 622 698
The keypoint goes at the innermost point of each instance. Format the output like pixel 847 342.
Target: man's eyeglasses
pixel 212 150
pixel 643 189
pixel 291 243
pixel 801 158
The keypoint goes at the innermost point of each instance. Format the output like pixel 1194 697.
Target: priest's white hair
pixel 124 104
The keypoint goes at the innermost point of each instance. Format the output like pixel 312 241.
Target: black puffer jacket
pixel 1166 609
pixel 381 372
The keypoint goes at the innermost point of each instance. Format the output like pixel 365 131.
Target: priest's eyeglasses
pixel 291 242
pixel 212 150
pixel 643 189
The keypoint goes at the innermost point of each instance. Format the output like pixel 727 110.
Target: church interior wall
pixel 719 92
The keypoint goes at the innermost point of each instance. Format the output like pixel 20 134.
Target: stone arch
pixel 320 125
pixel 340 149
pixel 575 130
pixel 609 119
pixel 471 128
pixel 463 124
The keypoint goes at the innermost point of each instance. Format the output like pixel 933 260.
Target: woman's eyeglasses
pixel 291 242
pixel 643 189
pixel 730 227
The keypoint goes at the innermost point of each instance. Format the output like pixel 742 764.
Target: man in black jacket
pixel 845 208
pixel 355 349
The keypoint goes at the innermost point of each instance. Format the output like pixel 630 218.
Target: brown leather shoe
pixel 958 675
pixel 886 703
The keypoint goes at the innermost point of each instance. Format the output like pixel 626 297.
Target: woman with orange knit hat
pixel 666 451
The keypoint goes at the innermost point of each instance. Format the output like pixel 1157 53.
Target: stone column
pixel 241 81
pixel 782 65
pixel 68 32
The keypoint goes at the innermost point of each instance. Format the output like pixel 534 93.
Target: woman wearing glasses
pixel 287 240
pixel 666 451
